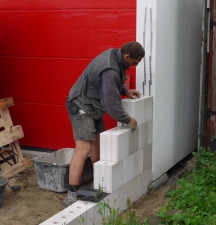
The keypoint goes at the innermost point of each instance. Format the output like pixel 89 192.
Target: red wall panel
pixel 44 47
pixel 66 4
pixel 74 34
pixel 39 80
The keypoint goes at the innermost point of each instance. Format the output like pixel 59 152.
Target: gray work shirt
pixel 110 88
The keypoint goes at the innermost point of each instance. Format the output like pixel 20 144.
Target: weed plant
pixel 193 202
pixel 111 216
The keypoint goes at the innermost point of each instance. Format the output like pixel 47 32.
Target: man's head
pixel 133 53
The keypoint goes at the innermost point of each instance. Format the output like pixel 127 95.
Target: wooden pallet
pixel 11 158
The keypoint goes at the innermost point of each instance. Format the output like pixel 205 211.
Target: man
pixel 96 92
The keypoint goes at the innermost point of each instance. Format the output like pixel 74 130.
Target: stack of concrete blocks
pixel 124 169
pixel 125 153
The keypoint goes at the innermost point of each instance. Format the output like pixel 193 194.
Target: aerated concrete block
pixel 142 184
pixel 139 108
pixel 143 136
pixel 132 166
pixel 134 189
pixel 90 212
pixel 150 131
pixel 135 108
pixel 114 144
pixel 74 214
pixel 148 108
pixel 133 141
pixel 70 215
pixel 147 157
pixel 108 175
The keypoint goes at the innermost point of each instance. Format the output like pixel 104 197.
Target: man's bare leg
pixel 95 151
pixel 83 149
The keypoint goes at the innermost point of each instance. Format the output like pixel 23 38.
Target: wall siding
pixel 44 47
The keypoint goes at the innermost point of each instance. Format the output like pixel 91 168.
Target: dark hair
pixel 135 49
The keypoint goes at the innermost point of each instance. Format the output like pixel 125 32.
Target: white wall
pixel 170 31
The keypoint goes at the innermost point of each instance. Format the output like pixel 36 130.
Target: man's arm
pixel 110 88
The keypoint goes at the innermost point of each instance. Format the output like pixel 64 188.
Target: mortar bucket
pixel 3 183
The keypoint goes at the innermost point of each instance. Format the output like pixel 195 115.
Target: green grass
pixel 193 202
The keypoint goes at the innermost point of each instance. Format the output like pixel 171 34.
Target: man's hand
pixel 132 93
pixel 133 124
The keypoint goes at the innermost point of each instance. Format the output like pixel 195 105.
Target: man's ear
pixel 126 57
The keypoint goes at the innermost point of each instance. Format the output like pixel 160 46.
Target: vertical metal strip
pixel 144 60
pixel 150 57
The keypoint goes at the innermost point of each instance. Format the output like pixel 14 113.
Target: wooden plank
pixel 6 118
pixel 16 148
pixel 12 135
pixel 17 168
pixel 6 102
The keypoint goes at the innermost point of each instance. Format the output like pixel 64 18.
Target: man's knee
pixel 83 148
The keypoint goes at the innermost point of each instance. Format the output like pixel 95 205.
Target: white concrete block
pixel 108 175
pixel 96 172
pixel 150 131
pixel 142 185
pixel 148 108
pixel 135 108
pixel 128 173
pixel 99 175
pixel 123 193
pixel 132 166
pixel 149 175
pixel 74 214
pixel 114 144
pixel 139 108
pixel 117 176
pixel 87 211
pixel 112 199
pixel 143 135
pixel 147 157
pixel 103 145
pixel 70 215
pixel 133 189
pixel 133 141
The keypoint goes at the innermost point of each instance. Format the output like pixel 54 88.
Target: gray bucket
pixel 3 183
pixel 52 170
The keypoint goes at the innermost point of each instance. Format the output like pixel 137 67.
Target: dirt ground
pixel 32 205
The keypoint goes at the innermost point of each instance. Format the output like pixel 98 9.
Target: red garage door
pixel 44 47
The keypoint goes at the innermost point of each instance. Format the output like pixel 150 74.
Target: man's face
pixel 131 62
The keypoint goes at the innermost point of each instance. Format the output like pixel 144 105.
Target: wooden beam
pixel 6 102
pixel 16 148
pixel 6 118
pixel 17 168
pixel 11 135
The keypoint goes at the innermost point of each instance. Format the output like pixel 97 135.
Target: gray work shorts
pixel 84 127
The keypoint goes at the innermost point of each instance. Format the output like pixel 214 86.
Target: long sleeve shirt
pixel 110 88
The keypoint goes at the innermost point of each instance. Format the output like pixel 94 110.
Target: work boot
pixel 70 198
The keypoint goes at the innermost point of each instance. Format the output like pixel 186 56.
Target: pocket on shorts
pixel 71 106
